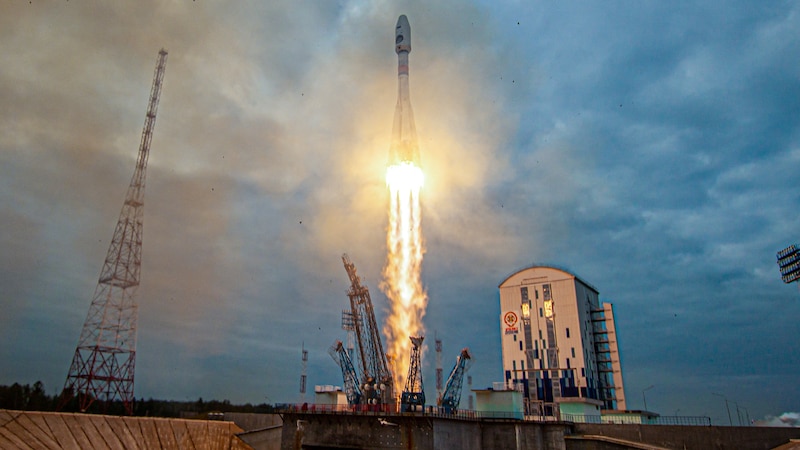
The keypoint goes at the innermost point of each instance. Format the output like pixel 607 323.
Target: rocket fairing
pixel 405 147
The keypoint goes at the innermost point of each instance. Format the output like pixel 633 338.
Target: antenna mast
pixel 103 365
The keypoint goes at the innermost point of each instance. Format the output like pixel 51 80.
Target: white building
pixel 559 344
pixel 329 395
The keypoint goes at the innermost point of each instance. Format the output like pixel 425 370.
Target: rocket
pixel 405 147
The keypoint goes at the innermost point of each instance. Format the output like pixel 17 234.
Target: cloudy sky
pixel 652 149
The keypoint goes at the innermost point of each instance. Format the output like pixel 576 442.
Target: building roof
pixel 558 269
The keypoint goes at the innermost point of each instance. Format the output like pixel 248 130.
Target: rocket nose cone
pixel 402 35
pixel 402 21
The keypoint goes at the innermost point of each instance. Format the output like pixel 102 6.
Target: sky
pixel 650 148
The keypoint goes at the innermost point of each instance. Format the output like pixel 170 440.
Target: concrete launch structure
pixel 559 344
pixel 405 147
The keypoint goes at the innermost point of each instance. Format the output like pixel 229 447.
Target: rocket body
pixel 404 243
pixel 405 147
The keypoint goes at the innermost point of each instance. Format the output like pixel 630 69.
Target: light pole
pixel 730 421
pixel 745 417
pixel 644 399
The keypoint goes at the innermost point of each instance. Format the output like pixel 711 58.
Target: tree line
pixel 34 398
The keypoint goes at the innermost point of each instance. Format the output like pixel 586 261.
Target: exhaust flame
pixel 402 283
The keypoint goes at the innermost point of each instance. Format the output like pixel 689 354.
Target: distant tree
pixel 25 397
pixel 38 399
pixel 35 398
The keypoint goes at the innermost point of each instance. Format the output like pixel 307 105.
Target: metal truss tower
pixel 303 374
pixel 377 379
pixel 103 365
pixel 342 359
pixel 413 397
pixel 439 378
pixel 349 325
pixel 452 394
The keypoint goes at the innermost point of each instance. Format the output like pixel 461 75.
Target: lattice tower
pixel 439 380
pixel 375 369
pixel 452 393
pixel 348 325
pixel 102 368
pixel 342 359
pixel 413 397
pixel 304 359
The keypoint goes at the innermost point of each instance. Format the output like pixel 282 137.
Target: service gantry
pixel 376 379
pixel 413 396
pixel 452 393
pixel 351 384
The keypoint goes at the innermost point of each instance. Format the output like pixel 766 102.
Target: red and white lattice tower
pixel 439 377
pixel 103 365
pixel 303 374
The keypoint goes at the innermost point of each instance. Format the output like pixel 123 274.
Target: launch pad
pixel 378 430
pixel 463 431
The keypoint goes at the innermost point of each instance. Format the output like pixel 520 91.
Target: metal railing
pixel 465 414
pixel 638 420
pixel 390 410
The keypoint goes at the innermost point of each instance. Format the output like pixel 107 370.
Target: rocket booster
pixel 405 147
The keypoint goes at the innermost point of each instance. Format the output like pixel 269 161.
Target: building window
pixel 515 338
pixel 514 365
pixel 573 352
pixel 583 372
pixel 541 313
pixel 520 345
pixel 567 332
pixel 540 334
pixel 568 366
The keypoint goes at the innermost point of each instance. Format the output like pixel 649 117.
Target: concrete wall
pixel 253 421
pixel 308 430
pixel 456 434
pixel 688 437
pixel 424 432
pixel 521 435
pixel 364 432
pixel 263 439
pixel 261 431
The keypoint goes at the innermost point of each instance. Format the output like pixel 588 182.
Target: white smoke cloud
pixel 787 419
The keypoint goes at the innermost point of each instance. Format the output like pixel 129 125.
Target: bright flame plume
pixel 402 283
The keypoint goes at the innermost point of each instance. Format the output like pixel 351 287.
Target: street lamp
pixel 745 417
pixel 730 421
pixel 644 399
